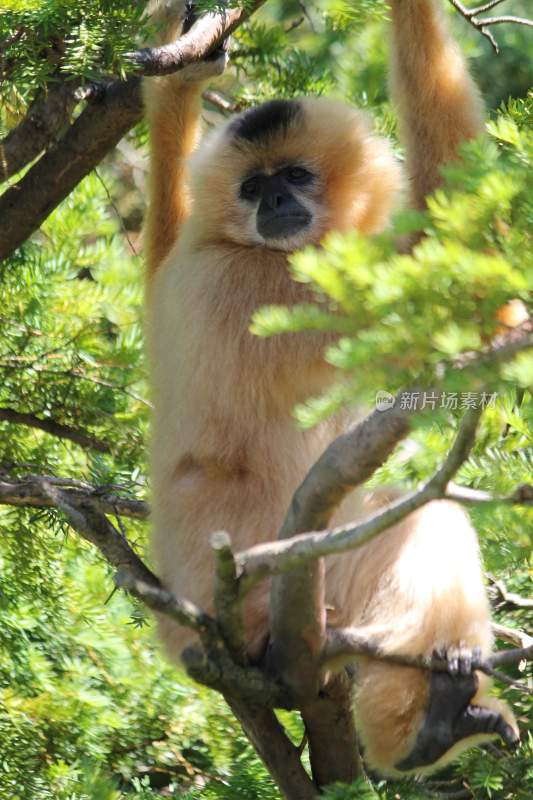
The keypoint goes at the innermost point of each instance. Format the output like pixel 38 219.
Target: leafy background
pixel 89 710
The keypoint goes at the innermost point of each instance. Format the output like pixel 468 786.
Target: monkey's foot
pixel 450 717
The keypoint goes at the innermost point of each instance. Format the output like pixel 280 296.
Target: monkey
pixel 223 217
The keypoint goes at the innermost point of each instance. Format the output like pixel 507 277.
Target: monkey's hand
pixel 450 717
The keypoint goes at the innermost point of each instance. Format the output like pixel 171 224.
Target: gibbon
pixel 222 219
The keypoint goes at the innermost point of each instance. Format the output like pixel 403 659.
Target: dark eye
pixel 298 175
pixel 250 189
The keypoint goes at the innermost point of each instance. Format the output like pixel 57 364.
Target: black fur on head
pixel 260 122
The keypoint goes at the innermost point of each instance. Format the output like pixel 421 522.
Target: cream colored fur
pixel 225 451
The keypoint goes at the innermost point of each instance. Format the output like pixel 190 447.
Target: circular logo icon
pixel 384 400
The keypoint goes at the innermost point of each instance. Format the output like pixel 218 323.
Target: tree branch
pixel 33 491
pixel 228 599
pixel 347 462
pixel 482 24
pixel 205 37
pixel 297 638
pixel 220 102
pixel 250 693
pixel 510 598
pixel 46 117
pixel 501 350
pixel 523 496
pixel 276 558
pixel 345 644
pixel 88 520
pixel 212 664
pixel 162 601
pixel 97 130
pixel 54 428
pixel 512 635
pixel 277 752
pixel 112 110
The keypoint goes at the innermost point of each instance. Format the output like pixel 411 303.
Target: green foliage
pixel 43 42
pixel 71 341
pixel 406 319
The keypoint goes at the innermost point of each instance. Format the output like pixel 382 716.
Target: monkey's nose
pixel 275 199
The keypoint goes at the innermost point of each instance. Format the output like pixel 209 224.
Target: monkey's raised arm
pixel 173 111
pixel 173 105
pixel 438 102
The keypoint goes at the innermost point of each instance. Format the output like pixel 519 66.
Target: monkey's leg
pixel 190 504
pixel 415 589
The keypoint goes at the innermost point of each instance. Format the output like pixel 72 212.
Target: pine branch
pixel 48 425
pixel 32 491
pixel 84 515
pixel 112 110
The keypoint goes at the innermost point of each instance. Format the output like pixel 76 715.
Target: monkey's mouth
pixel 283 226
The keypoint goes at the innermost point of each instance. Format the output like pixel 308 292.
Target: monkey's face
pixel 281 206
pixel 282 175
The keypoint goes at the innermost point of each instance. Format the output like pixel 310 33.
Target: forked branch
pixel 482 24
pixel 284 555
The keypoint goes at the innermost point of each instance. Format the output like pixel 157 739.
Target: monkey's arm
pixel 438 101
pixel 173 105
pixel 172 110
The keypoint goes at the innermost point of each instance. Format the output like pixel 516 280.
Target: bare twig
pixel 482 24
pixel 510 598
pixel 523 495
pixel 294 24
pixel 117 213
pixel 54 428
pixel 307 15
pixel 513 635
pixel 344 644
pixel 227 596
pixel 159 599
pixel 458 454
pixel 219 101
